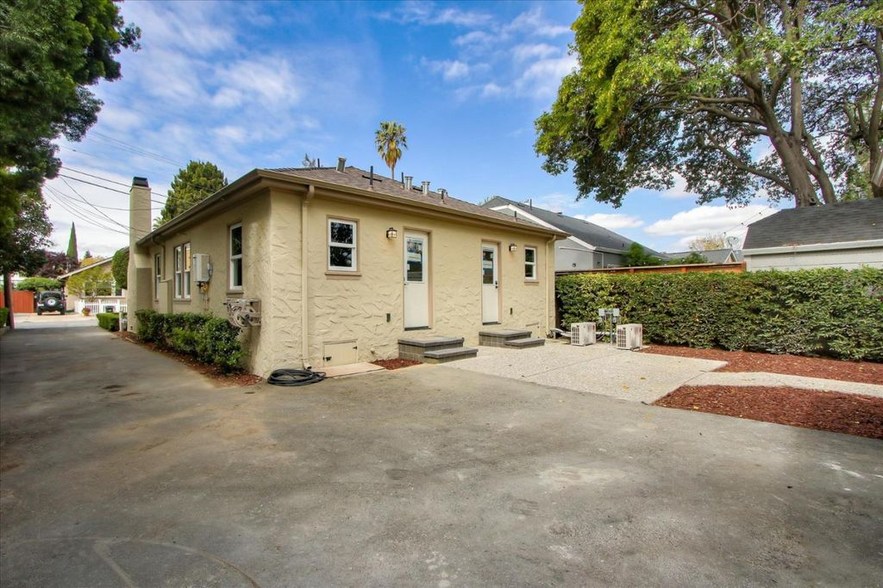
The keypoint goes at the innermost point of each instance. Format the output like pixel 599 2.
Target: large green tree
pixel 21 244
pixel 191 185
pixel 72 243
pixel 119 267
pixel 50 52
pixel 389 140
pixel 734 95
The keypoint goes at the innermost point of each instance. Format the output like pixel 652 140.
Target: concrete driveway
pixel 53 321
pixel 598 369
pixel 121 467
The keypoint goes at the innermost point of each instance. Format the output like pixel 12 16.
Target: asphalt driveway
pixel 120 467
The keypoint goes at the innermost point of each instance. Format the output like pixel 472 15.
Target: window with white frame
pixel 157 274
pixel 236 257
pixel 530 263
pixel 182 271
pixel 342 241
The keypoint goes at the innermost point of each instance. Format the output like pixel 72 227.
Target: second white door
pixel 490 284
pixel 416 280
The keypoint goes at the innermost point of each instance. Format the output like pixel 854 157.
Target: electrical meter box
pixel 202 270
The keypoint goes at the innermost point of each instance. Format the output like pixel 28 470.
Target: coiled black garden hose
pixel 292 377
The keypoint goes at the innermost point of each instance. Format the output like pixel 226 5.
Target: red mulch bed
pixel 237 379
pixel 394 364
pixel 794 365
pixel 852 414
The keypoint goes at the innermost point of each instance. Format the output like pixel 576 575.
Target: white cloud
pixel 231 133
pixel 427 14
pixel 474 38
pixel 491 89
pixel 541 80
pixel 533 23
pixel 679 190
pixel 268 80
pixel 449 69
pixel 533 51
pixel 708 220
pixel 612 221
pixel 120 119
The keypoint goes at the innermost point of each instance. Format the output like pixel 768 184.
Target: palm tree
pixel 390 139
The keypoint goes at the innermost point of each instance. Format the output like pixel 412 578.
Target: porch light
pixel 391 233
pixel 513 247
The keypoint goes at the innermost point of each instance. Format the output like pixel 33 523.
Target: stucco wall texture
pixel 354 307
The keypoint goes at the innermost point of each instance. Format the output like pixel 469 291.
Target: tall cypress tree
pixel 72 244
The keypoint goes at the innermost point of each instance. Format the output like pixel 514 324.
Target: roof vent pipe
pixel 444 193
pixel 409 180
pixel 425 188
pixel 341 164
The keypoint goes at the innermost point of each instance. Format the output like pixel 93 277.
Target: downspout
pixel 304 282
pixel 550 241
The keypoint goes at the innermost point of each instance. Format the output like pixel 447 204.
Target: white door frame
pixel 415 299
pixel 490 292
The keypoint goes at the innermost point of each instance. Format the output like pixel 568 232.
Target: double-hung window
pixel 342 245
pixel 157 274
pixel 530 263
pixel 182 271
pixel 236 257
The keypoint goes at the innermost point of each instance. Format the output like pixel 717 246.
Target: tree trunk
pixel 876 168
pixel 7 298
pixel 798 176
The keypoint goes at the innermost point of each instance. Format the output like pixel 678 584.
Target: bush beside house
pixel 832 312
pixel 4 316
pixel 109 321
pixel 208 339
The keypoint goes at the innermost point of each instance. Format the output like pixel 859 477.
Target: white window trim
pixel 182 287
pixel 157 274
pixel 353 246
pixel 533 264
pixel 233 287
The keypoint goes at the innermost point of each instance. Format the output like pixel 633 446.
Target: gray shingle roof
pixel 591 233
pixel 860 220
pixel 710 255
pixel 354 177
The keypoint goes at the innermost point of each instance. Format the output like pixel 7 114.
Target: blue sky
pixel 258 84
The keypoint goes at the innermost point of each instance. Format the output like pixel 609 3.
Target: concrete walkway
pixel 644 377
pixel 598 369
pixel 768 379
pixel 122 467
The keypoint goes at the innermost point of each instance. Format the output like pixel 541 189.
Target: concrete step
pixel 416 347
pixel 526 342
pixel 446 355
pixel 499 337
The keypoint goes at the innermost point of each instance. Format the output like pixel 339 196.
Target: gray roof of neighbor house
pixel 591 233
pixel 710 255
pixel 353 178
pixel 859 220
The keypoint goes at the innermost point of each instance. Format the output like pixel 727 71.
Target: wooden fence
pixel 22 302
pixel 737 267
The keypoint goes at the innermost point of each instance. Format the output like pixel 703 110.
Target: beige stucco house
pixel 342 264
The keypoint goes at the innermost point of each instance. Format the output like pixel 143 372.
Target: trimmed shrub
pixel 210 340
pixel 4 316
pixel 109 321
pixel 830 312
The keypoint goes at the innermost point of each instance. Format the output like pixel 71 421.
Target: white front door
pixel 490 284
pixel 416 280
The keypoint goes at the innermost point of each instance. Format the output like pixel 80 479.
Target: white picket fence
pixel 104 304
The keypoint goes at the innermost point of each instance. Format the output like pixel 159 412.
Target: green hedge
pixel 831 312
pixel 208 339
pixel 4 316
pixel 109 321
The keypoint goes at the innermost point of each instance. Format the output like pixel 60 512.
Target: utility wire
pixel 96 177
pixel 107 187
pixel 72 205
pixel 102 213
pixel 136 149
pixel 55 197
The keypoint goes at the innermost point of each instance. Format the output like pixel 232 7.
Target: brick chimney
pixel 140 284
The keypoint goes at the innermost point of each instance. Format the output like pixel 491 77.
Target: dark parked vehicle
pixel 50 301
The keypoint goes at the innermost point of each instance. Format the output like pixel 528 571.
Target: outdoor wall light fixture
pixel 391 233
pixel 513 247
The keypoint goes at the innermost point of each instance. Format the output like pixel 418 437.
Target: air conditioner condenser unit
pixel 629 336
pixel 582 334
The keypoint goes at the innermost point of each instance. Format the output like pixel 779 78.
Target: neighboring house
pixel 589 246
pixel 710 255
pixel 109 297
pixel 847 235
pixel 343 264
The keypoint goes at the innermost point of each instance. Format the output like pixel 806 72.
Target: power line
pixel 57 199
pixel 73 206
pixel 108 188
pixel 137 149
pixel 102 213
pixel 96 177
